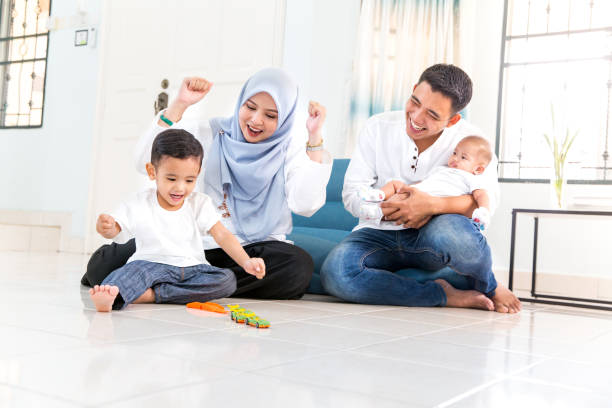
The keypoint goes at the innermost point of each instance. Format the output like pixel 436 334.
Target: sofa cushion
pixel 336 181
pixel 326 234
pixel 318 243
pixel 331 215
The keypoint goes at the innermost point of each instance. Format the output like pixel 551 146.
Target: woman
pixel 256 173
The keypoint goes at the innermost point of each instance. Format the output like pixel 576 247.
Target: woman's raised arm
pixel 314 124
pixel 192 91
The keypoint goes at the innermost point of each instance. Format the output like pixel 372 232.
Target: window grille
pixel 556 57
pixel 24 40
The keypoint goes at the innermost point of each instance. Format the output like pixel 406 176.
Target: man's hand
pixel 107 226
pixel 255 266
pixel 410 207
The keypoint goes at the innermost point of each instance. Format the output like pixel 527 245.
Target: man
pixel 417 229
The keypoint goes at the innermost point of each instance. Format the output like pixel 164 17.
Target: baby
pixel 168 221
pixel 469 159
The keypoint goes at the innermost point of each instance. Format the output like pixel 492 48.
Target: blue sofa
pixel 328 226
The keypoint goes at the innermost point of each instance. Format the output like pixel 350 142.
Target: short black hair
pixel 451 81
pixel 177 143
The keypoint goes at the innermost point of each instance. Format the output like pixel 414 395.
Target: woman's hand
pixel 314 123
pixel 107 226
pixel 192 91
pixel 256 267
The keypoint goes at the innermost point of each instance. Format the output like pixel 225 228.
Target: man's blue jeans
pixel 360 269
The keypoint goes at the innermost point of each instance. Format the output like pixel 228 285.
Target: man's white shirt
pixel 385 152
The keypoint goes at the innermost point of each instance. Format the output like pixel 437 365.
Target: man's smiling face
pixel 427 113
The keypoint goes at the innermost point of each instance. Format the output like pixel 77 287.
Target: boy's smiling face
pixel 175 179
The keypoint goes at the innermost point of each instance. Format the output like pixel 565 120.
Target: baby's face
pixel 465 157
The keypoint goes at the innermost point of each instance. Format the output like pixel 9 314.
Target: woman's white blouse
pixel 305 180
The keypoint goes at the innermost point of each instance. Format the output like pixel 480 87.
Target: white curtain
pixel 396 41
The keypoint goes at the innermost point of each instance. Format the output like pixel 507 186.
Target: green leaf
pixel 548 141
pixel 559 150
pixel 572 140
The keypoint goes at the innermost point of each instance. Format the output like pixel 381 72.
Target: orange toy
pixel 208 306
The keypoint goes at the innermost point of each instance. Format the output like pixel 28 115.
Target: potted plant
pixel 559 152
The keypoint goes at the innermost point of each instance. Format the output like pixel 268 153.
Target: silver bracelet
pixel 314 149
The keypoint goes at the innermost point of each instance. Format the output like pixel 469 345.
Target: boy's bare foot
pixel 465 298
pixel 505 301
pixel 103 297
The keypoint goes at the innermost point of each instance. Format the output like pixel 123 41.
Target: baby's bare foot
pixel 505 301
pixel 103 297
pixel 464 298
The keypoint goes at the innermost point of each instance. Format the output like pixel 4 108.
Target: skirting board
pixel 38 231
pixel 583 286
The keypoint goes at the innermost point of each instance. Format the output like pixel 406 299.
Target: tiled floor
pixel 56 351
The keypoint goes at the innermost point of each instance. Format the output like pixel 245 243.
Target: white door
pixel 146 41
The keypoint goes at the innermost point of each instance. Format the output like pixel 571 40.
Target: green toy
pixel 242 315
pixel 258 322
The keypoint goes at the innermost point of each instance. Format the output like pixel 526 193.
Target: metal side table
pixel 539 297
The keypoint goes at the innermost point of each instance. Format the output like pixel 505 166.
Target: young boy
pixel 469 159
pixel 169 264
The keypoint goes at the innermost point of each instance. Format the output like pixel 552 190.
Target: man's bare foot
pixel 505 301
pixel 103 297
pixel 465 298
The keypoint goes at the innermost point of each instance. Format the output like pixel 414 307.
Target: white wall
pixel 47 169
pixel 318 51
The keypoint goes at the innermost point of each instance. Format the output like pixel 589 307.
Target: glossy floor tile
pixel 514 393
pixel 56 351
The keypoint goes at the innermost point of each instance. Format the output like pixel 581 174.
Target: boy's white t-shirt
pixel 444 181
pixel 162 236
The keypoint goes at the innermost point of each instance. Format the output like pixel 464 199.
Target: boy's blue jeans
pixel 360 269
pixel 171 284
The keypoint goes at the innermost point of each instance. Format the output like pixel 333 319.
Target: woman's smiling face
pixel 258 117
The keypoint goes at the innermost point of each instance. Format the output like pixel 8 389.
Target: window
pixel 556 57
pixel 396 41
pixel 23 61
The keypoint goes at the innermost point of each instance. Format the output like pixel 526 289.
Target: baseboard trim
pixel 557 284
pixel 46 231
